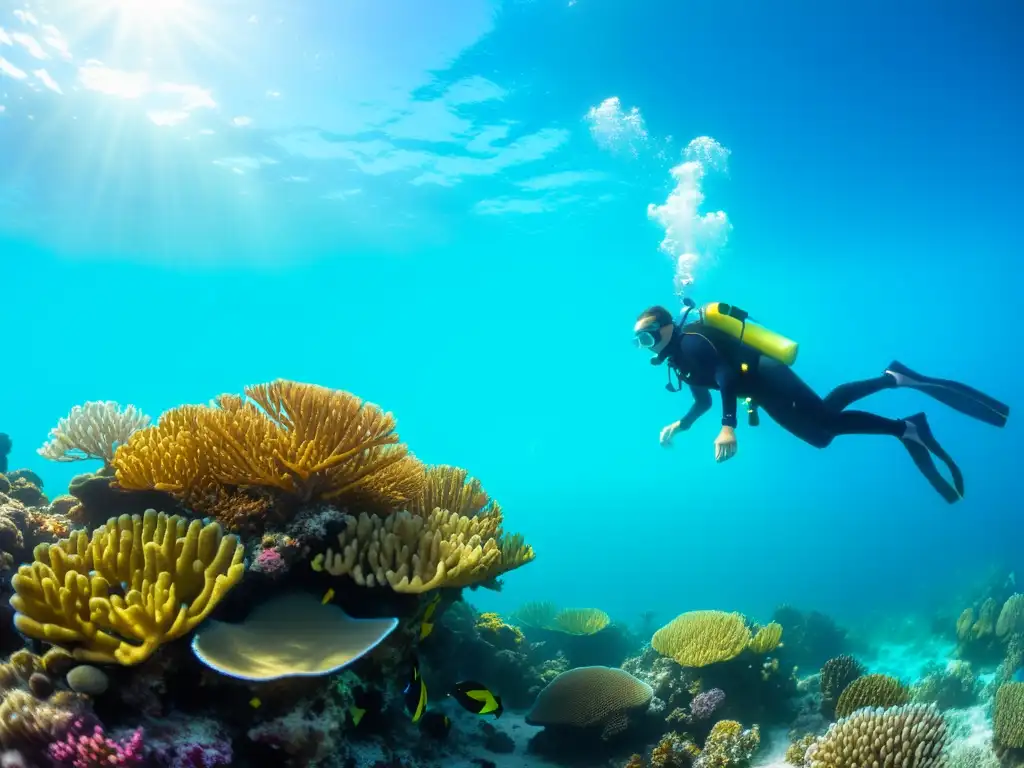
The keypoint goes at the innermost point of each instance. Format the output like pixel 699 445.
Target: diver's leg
pixel 840 397
pixel 958 396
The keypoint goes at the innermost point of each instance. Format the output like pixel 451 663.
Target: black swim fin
pixel 921 448
pixel 958 396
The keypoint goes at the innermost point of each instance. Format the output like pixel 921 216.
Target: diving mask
pixel 648 338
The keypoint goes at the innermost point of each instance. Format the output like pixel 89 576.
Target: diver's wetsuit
pixel 706 358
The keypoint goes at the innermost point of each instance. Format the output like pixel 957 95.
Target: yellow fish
pixel 357 714
pixel 415 693
pixel 328 596
pixel 255 703
pixel 477 699
pixel 427 624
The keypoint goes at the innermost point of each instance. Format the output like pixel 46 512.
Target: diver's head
pixel 653 329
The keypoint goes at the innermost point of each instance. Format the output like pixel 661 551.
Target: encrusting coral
pixel 700 638
pixel 872 691
pixel 416 553
pixel 93 431
pixel 911 736
pixel 173 574
pixel 301 441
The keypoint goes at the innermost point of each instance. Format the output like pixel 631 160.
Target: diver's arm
pixel 701 405
pixel 726 378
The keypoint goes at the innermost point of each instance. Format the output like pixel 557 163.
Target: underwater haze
pixel 457 210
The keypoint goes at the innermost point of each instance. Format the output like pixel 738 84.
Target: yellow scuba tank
pixel 735 322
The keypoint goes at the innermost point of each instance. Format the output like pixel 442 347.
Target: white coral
pixel 93 431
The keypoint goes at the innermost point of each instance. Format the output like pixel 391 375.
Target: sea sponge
pixel 306 442
pixel 911 736
pixel 767 638
pixel 872 691
pixel 416 553
pixel 1008 716
pixel 700 638
pixel 93 431
pixel 579 621
pixel 836 674
pixel 1011 617
pixel 588 697
pixel 293 635
pixel 173 574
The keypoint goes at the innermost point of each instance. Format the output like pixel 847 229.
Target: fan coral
pixel 836 675
pixel 872 691
pixel 306 442
pixel 537 614
pixel 910 736
pixel 174 574
pixel 93 750
pixel 700 638
pixel 414 553
pixel 579 621
pixel 591 697
pixel 93 431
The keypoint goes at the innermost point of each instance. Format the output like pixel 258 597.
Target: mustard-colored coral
pixel 174 573
pixel 700 638
pixel 579 621
pixel 912 736
pixel 767 638
pixel 729 745
pixel 872 691
pixel 307 442
pixel 451 488
pixel 417 553
pixel 493 624
pixel 796 753
pixel 1011 617
pixel 1008 716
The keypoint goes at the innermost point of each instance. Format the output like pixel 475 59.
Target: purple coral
pixel 705 703
pixel 201 755
pixel 92 750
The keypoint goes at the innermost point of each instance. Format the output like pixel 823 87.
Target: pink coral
pixel 270 562
pixel 93 750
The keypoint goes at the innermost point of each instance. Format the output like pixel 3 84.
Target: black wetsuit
pixel 705 358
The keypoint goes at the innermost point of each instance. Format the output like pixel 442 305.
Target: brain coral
pixel 911 736
pixel 700 638
pixel 872 691
pixel 590 697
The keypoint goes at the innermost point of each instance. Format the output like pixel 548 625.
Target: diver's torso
pixel 699 349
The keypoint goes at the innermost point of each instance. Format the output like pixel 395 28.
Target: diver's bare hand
pixel 725 444
pixel 669 432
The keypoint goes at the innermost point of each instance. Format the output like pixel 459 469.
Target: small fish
pixel 427 624
pixel 415 693
pixel 328 596
pixel 356 714
pixel 255 703
pixel 436 725
pixel 477 698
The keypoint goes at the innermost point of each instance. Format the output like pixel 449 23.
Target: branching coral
pixel 173 574
pixel 306 442
pixel 417 553
pixel 872 691
pixel 728 746
pixel 451 488
pixel 911 736
pixel 93 431
pixel 700 638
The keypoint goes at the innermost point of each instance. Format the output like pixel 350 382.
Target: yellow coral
pixel 493 623
pixel 964 624
pixel 700 638
pixel 1011 617
pixel 174 573
pixel 28 722
pixel 911 736
pixel 308 442
pixel 1008 716
pixel 728 744
pixel 447 487
pixel 417 553
pixel 872 691
pixel 580 621
pixel 767 638
pixel 536 613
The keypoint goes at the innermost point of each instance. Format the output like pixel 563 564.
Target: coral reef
pixel 909 736
pixel 93 431
pixel 591 697
pixel 836 675
pixel 872 691
pixel 950 686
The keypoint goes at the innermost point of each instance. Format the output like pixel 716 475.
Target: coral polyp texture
pixel 700 638
pixel 590 697
pixel 872 691
pixel 301 441
pixel 93 431
pixel 836 674
pixel 767 638
pixel 172 572
pixel 416 553
pixel 910 736
pixel 1008 716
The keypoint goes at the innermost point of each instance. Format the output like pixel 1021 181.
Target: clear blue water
pixel 440 211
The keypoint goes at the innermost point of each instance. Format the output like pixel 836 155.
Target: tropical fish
pixel 328 596
pixel 415 693
pixel 255 703
pixel 356 713
pixel 477 698
pixel 427 624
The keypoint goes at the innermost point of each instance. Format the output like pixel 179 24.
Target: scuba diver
pixel 724 350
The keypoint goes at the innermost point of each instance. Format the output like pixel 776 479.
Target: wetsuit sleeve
pixel 701 405
pixel 703 358
pixel 727 380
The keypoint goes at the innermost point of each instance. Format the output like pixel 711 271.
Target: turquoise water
pixel 447 213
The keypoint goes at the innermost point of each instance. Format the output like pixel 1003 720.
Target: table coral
pixel 700 638
pixel 174 573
